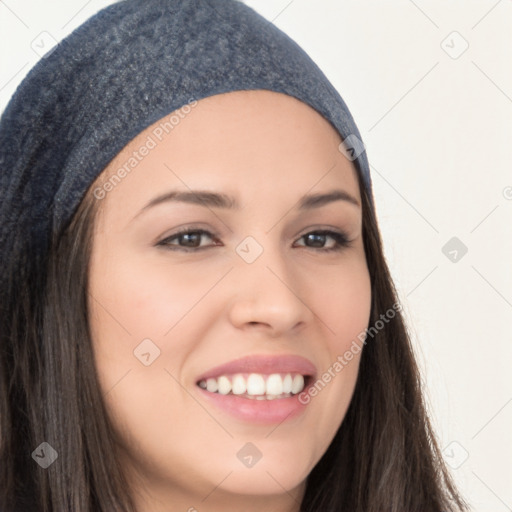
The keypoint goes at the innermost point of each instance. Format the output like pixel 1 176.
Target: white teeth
pixel 274 384
pixel 211 385
pixel 239 386
pixel 257 386
pixel 224 385
pixel 297 384
pixel 287 383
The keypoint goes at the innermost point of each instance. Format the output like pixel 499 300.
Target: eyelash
pixel 340 238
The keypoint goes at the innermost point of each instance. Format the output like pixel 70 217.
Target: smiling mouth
pixel 257 386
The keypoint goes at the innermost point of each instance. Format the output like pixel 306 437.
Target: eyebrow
pixel 218 200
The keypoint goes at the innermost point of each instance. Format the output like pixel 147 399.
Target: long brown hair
pixel 384 457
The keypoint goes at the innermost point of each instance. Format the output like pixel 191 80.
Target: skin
pixel 209 307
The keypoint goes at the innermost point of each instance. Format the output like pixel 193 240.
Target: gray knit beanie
pixel 125 68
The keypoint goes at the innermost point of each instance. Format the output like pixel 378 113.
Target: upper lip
pixel 263 364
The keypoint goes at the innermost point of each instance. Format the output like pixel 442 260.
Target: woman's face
pixel 251 279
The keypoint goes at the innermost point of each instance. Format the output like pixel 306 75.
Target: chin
pixel 265 480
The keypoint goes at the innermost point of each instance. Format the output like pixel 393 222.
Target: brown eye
pixel 187 239
pixel 318 239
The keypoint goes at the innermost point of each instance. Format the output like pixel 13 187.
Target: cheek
pixel 342 299
pixel 139 306
pixel 342 302
pixel 131 301
pixel 147 297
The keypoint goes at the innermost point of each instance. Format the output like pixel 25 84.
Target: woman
pixel 196 310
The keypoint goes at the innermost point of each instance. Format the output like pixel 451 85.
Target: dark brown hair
pixel 384 457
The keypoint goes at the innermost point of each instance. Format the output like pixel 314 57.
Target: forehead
pixel 245 143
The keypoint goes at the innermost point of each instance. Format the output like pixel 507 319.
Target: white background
pixel 438 132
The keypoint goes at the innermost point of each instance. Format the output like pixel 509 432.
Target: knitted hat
pixel 125 68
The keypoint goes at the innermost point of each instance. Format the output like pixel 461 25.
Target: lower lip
pixel 264 412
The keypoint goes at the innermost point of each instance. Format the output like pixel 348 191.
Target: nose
pixel 268 296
